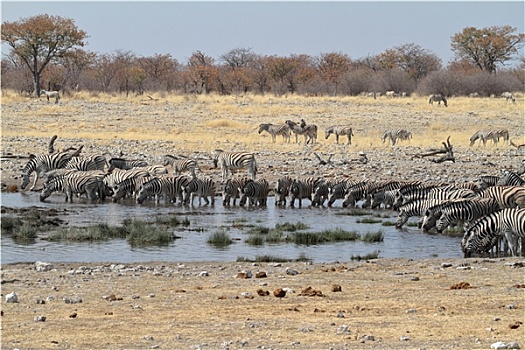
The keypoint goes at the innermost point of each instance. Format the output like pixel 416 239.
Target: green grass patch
pixel 255 239
pixel 369 256
pixel 355 212
pixel 411 224
pixel 259 230
pixel 291 227
pixel 142 233
pixel 373 237
pixel 171 221
pixel 219 239
pixel 388 223
pixel 273 258
pixel 336 235
pixel 368 221
pixel 10 224
pixel 98 232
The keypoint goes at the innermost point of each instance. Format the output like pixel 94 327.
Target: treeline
pixel 407 68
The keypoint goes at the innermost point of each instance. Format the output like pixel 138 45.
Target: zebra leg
pixel 512 241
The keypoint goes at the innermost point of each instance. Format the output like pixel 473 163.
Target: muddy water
pixel 205 220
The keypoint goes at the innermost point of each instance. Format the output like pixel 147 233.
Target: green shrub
pixel 219 239
pixel 255 239
pixel 290 227
pixel 372 237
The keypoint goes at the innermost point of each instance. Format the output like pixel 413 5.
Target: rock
pixel 261 274
pixel 244 274
pixel 336 288
pixel 40 318
pixel 204 274
pixel 43 266
pixel 11 298
pixel 263 293
pixel 279 293
pixel 291 272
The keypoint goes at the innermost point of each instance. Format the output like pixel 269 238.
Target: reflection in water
pixel 409 243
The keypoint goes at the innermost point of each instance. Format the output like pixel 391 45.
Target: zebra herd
pixel 490 208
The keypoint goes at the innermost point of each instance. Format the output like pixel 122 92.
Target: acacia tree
pixel 332 66
pixel 40 39
pixel 487 47
pixel 413 59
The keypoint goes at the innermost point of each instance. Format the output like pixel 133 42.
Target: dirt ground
pixel 383 304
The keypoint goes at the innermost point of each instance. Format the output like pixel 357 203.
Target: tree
pixel 487 47
pixel 332 66
pixel 40 39
pixel 413 59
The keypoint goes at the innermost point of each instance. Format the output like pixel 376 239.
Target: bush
pixel 219 239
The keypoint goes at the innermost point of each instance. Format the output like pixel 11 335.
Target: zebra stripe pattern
pixel 339 130
pixel 84 163
pixel 203 188
pixel 282 190
pixel 233 189
pixel 50 94
pixel 42 163
pixel 78 182
pixel 510 178
pixel 128 187
pixel 274 130
pixel 301 189
pixel 506 196
pixel 493 135
pixel 394 135
pixel 415 208
pixel 308 131
pixel 125 164
pixel 182 165
pixel 167 187
pixel 256 192
pixel 234 161
pixel 483 234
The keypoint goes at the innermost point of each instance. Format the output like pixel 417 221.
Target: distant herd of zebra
pixel 491 208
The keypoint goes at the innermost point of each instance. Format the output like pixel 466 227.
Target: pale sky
pixel 357 29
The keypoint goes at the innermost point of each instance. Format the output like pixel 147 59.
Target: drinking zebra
pixel 303 188
pixel 308 131
pixel 50 94
pixel 483 234
pixel 125 164
pixel 338 130
pixel 274 130
pixel 466 210
pixel 437 98
pixel 387 198
pixel 394 135
pixel 181 165
pixel 256 192
pixel 77 182
pixel 42 163
pixel 203 188
pixel 128 187
pixel 232 190
pixel 322 191
pixel 493 135
pixel 415 208
pixel 233 161
pixel 282 190
pixel 340 190
pixel 167 187
pixel 431 192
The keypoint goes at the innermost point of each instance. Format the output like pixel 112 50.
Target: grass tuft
pixel 373 237
pixel 219 239
pixel 369 256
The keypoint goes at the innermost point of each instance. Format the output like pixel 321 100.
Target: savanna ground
pixel 383 304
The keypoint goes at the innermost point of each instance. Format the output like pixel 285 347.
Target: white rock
pixel 11 298
pixel 43 266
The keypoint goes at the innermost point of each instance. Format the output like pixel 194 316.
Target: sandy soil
pixel 383 304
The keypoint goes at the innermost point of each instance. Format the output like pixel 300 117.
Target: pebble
pixel 40 318
pixel 11 298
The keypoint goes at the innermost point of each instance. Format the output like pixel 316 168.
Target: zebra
pixel 167 187
pixel 495 135
pixel 339 190
pixel 387 198
pixel 437 98
pixel 481 236
pixel 282 190
pixel 78 182
pixel 119 175
pixel 510 178
pixel 256 192
pixel 417 207
pixel 125 164
pixel 339 131
pixel 394 135
pixel 232 190
pixel 506 196
pixel 467 210
pixel 322 191
pixel 181 165
pixel 304 188
pixel 445 192
pixel 308 131
pixel 234 160
pixel 155 169
pixel 89 162
pixel 486 181
pixel 200 187
pixel 42 163
pixel 50 94
pixel 508 96
pixel 129 186
pixel 521 169
pixel 274 130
